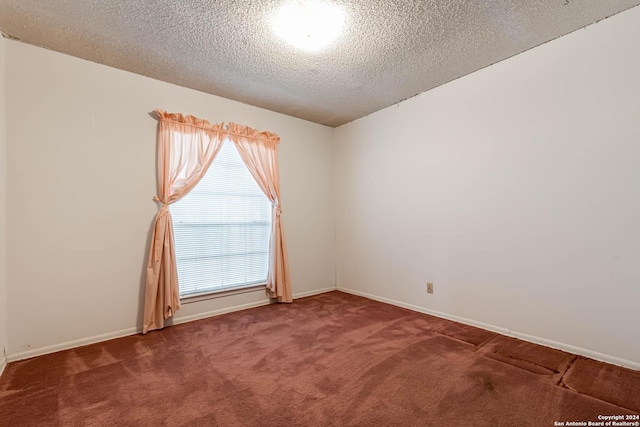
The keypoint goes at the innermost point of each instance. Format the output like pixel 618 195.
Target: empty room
pixel 320 213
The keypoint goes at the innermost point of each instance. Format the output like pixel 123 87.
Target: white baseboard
pixel 220 311
pixel 72 344
pixel 3 363
pixel 314 292
pixel 504 331
pixel 132 331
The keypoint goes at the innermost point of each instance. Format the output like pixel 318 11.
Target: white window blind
pixel 222 228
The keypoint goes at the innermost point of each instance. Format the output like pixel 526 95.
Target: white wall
pixel 81 177
pixel 3 208
pixel 516 190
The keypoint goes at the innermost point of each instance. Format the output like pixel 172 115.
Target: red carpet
pixel 332 359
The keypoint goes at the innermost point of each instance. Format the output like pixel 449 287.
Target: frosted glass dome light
pixel 308 24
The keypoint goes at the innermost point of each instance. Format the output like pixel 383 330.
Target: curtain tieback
pixel 158 243
pixel 164 209
pixel 277 209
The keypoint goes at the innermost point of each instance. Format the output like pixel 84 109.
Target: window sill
pixel 221 293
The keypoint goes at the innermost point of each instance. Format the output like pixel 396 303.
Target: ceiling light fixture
pixel 309 24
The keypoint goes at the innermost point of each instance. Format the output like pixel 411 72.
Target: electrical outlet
pixel 429 287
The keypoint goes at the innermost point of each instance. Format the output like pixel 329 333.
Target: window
pixel 222 228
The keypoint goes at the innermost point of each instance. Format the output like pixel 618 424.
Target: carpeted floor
pixel 331 359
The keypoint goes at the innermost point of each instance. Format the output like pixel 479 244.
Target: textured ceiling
pixel 391 50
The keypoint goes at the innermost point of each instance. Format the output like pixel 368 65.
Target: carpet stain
pixel 487 384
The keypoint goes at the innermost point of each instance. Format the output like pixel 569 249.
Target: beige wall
pixel 3 207
pixel 81 150
pixel 515 189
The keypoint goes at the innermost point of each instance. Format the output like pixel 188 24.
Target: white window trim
pixel 221 293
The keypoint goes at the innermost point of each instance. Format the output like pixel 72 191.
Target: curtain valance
pixel 228 129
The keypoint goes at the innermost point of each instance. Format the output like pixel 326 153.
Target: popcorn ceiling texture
pixel 391 50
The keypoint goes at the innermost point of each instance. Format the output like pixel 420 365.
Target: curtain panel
pixel 186 147
pixel 259 151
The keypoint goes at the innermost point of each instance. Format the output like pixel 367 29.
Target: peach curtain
pixel 186 148
pixel 259 151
